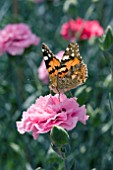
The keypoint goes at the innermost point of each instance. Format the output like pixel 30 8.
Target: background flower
pixel 42 71
pixel 81 29
pixel 14 38
pixel 68 30
pixel 49 111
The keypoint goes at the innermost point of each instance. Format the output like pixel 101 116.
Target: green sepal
pixel 59 136
pixel 61 150
pixel 60 141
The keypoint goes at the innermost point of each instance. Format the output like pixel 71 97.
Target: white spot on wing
pixel 78 54
pixel 72 54
pixel 46 58
pixel 66 57
pixel 77 50
pixel 49 55
pixel 43 50
pixel 67 49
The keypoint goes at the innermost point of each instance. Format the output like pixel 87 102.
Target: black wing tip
pixel 73 43
pixel 43 45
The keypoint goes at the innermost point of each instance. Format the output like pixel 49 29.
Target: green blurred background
pixel 91 145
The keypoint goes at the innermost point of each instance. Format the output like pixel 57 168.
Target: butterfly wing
pixel 72 71
pixel 67 74
pixel 52 63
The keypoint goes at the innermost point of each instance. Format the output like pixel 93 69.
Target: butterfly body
pixel 68 73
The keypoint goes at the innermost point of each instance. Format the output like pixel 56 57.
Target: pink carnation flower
pixel 81 29
pixel 68 30
pixel 14 38
pixel 42 71
pixel 49 111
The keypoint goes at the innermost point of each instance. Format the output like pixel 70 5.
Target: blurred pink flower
pixel 68 30
pixel 14 38
pixel 49 111
pixel 81 29
pixel 42 71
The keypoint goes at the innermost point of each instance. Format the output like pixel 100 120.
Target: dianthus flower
pixel 81 29
pixel 48 111
pixel 42 71
pixel 14 38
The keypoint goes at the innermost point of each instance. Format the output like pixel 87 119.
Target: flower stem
pixel 110 101
pixel 15 81
pixel 111 68
pixel 66 164
pixel 110 94
pixel 15 8
pixel 16 90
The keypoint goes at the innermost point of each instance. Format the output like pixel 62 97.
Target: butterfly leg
pixel 71 94
pixel 57 88
pixel 50 91
pixel 59 97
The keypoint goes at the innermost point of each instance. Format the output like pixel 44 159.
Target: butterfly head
pixel 53 88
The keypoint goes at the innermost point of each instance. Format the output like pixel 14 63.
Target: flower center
pixel 63 110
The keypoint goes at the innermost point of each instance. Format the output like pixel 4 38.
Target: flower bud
pixel 59 136
pixel 60 141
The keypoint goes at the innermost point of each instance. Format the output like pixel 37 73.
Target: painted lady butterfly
pixel 68 73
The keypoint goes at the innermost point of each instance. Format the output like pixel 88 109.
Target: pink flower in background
pixel 49 111
pixel 14 38
pixel 42 71
pixel 68 30
pixel 81 29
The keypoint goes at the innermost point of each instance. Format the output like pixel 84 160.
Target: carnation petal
pixel 48 111
pixel 14 38
pixel 86 29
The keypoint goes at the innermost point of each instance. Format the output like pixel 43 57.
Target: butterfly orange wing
pixel 72 71
pixel 52 63
pixel 67 74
